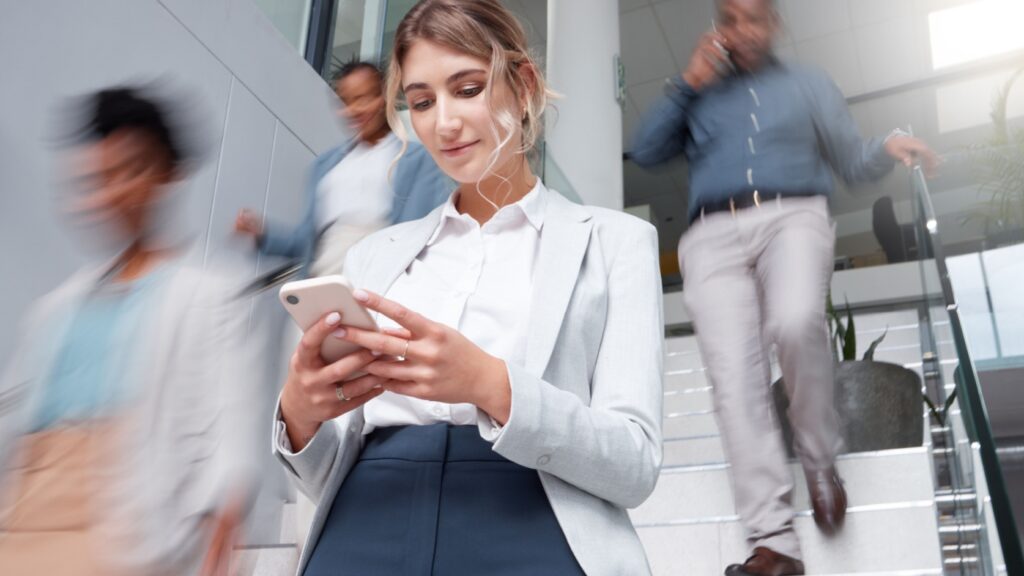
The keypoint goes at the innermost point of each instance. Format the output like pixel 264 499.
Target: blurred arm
pixel 663 130
pixel 853 158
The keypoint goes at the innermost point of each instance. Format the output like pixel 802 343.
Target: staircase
pixel 689 525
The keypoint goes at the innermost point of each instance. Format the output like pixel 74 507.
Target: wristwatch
pixel 897 132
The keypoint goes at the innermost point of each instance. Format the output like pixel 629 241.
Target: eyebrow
pixel 451 79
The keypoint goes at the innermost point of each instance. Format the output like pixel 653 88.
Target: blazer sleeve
pixel 662 132
pixel 855 159
pixel 16 388
pixel 420 186
pixel 611 447
pixel 297 241
pixel 337 442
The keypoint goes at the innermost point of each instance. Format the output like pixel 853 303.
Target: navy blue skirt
pixel 437 501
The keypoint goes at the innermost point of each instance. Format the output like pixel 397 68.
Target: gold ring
pixel 401 357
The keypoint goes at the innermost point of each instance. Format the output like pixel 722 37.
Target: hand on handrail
pixel 913 151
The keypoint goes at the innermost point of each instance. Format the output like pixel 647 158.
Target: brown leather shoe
pixel 766 562
pixel 828 498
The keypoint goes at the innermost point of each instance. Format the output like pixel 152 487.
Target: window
pixel 975 31
pixel 290 17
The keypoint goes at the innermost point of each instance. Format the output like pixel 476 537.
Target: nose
pixel 449 123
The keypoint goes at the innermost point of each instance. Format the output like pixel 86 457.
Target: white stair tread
pixel 872 541
pixel 872 478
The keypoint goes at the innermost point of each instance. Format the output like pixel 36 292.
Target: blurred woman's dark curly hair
pixel 124 107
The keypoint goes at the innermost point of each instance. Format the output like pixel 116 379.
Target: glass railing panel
pixel 964 325
pixel 553 176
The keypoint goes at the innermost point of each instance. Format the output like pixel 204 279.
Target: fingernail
pixel 375 352
pixel 360 294
pixel 378 386
pixel 339 333
pixel 333 318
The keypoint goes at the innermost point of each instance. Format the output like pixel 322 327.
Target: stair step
pixel 698 423
pixel 681 345
pixel 685 380
pixel 288 524
pixel 886 477
pixel 694 451
pixel 688 400
pixel 872 540
pixel 264 561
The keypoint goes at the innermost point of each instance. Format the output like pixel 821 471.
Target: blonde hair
pixel 483 29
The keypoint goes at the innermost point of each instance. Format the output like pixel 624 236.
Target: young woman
pixel 511 408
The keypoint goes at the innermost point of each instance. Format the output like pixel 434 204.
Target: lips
pixel 458 149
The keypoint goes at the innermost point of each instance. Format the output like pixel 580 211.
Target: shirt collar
pixel 532 206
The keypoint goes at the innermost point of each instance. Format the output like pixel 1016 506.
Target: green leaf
pixel 939 417
pixel 949 403
pixel 870 354
pixel 850 339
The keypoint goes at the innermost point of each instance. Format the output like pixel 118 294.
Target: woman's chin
pixel 463 172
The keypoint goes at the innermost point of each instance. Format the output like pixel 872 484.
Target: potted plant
pixel 998 164
pixel 878 403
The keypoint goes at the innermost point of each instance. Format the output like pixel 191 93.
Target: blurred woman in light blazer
pixel 511 409
pixel 127 418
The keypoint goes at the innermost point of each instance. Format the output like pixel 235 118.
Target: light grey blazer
pixel 586 404
pixel 190 441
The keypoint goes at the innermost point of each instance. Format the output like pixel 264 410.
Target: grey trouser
pixel 753 279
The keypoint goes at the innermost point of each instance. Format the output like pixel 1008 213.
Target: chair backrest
pixel 888 231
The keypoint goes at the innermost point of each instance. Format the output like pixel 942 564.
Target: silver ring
pixel 340 393
pixel 401 357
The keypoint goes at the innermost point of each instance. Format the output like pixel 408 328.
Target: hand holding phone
pixel 710 61
pixel 327 375
pixel 307 301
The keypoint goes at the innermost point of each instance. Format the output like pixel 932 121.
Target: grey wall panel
pixel 243 171
pixel 100 43
pixel 288 173
pixel 285 202
pixel 201 49
pixel 246 42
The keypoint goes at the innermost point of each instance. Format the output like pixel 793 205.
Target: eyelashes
pixel 466 92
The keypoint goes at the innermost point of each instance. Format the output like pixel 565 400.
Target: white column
pixel 584 136
pixel 373 31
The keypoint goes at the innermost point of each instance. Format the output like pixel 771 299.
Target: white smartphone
pixel 728 67
pixel 307 301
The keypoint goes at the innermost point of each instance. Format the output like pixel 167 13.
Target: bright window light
pixel 968 103
pixel 975 31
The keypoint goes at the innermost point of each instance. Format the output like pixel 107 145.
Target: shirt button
pixel 438 410
pixel 543 460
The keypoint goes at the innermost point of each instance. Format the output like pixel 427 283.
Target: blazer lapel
pixel 401 248
pixel 564 239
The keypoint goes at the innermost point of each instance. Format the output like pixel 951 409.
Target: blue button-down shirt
pixel 776 131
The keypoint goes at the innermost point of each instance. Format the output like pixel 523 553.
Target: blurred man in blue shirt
pixel 762 139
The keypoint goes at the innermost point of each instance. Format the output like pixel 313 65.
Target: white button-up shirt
pixel 357 191
pixel 477 280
